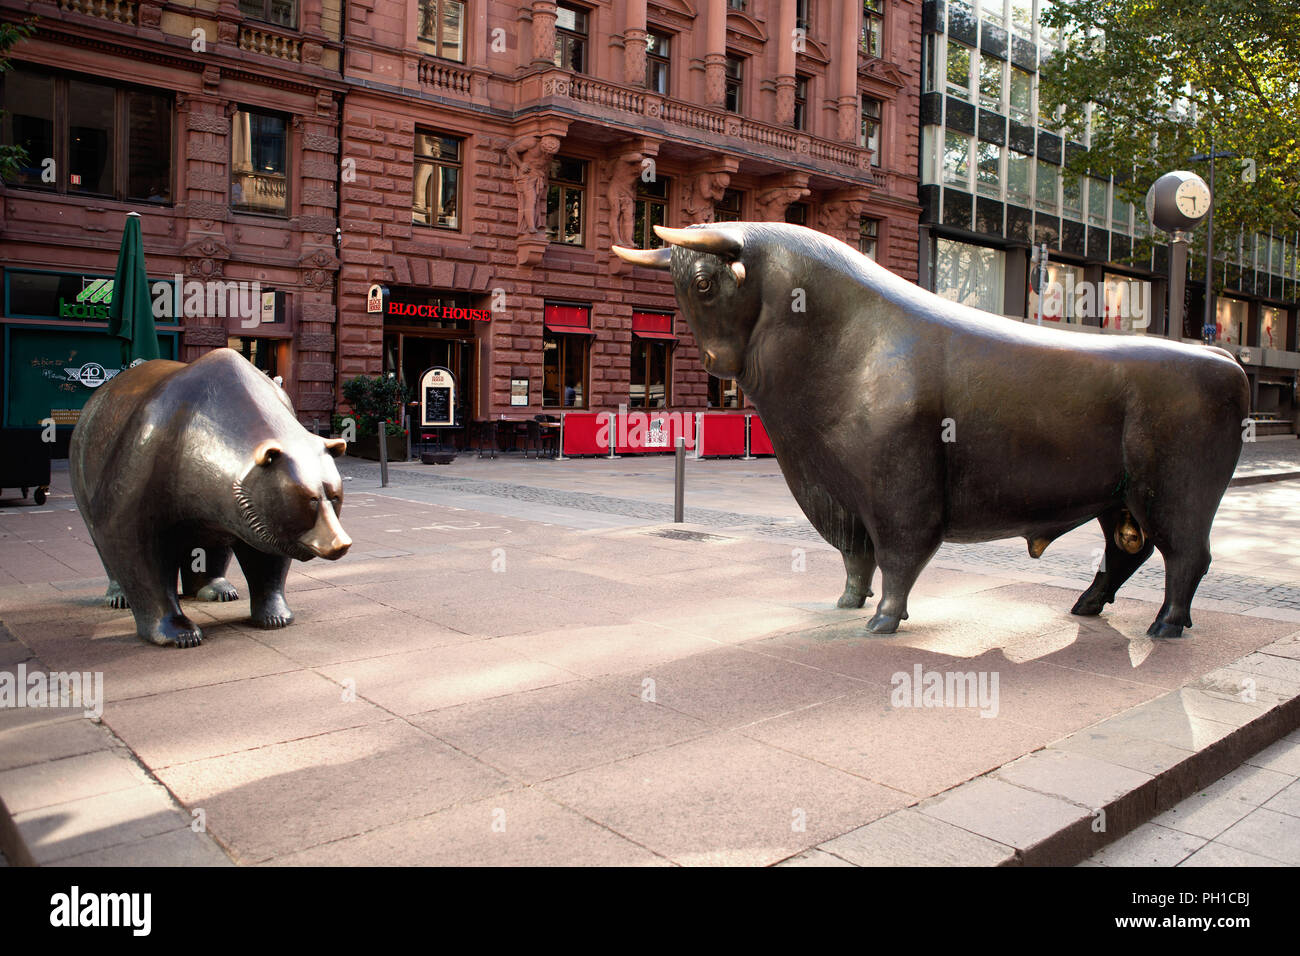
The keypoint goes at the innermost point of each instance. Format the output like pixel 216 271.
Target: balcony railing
pixel 258 40
pixel 116 11
pixel 444 78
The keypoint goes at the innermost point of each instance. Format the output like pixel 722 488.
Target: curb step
pixel 1059 805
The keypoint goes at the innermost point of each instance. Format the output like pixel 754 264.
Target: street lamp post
pixel 1210 326
pixel 1176 203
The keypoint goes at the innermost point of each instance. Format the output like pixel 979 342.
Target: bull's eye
pixel 703 284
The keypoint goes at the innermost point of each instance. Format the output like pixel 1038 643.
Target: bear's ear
pixel 335 447
pixel 267 452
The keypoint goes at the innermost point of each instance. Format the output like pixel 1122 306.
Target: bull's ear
pixel 267 452
pixel 651 258
pixel 335 447
pixel 721 242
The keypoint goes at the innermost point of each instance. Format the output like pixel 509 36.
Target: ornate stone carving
pixel 771 204
pixel 634 48
pixel 715 79
pixel 621 176
pixel 531 157
pixel 543 31
pixel 785 100
pixel 702 192
pixel 839 218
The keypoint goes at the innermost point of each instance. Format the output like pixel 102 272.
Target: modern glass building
pixel 993 186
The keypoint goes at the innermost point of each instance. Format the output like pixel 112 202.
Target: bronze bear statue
pixel 174 466
pixel 902 420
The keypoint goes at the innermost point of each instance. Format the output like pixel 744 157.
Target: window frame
pixel 566 186
pixel 802 85
pixel 566 40
pixel 265 15
pixel 648 344
pixel 869 233
pixel 871 40
pixel 436 37
pixel 663 61
pixel 288 165
pixel 950 88
pixel 641 218
pixel 734 83
pixel 875 119
pixel 718 206
pixel 120 148
pixel 418 160
pixel 563 341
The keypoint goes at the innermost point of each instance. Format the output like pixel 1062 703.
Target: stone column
pixel 715 57
pixel 785 58
pixel 849 101
pixel 634 43
pixel 543 32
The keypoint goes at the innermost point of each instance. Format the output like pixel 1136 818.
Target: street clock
pixel 1177 201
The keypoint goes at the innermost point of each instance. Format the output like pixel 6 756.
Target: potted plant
pixel 374 400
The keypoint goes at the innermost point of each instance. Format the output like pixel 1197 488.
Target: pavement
pixel 527 663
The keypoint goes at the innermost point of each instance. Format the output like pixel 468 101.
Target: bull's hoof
pixel 218 589
pixel 114 597
pixel 883 623
pixel 1090 605
pixel 853 599
pixel 175 631
pixel 1160 628
pixel 270 622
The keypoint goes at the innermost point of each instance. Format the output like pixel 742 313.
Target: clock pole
pixel 1211 327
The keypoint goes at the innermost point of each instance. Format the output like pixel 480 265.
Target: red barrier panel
pixel 580 432
pixel 653 431
pixel 759 443
pixel 722 434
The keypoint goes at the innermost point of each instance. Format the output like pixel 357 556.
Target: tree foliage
pixel 1168 78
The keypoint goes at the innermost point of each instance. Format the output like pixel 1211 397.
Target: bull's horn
pixel 651 258
pixel 720 242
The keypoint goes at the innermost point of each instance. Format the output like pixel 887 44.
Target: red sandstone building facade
pixel 499 149
pixel 475 160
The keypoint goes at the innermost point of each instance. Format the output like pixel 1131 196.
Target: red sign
pixel 438 312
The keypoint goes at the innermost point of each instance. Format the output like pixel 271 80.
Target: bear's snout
pixel 327 539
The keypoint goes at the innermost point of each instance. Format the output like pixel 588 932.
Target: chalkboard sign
pixel 437 398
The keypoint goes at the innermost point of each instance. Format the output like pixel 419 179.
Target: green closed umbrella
pixel 130 317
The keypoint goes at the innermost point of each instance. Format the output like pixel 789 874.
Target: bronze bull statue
pixel 902 420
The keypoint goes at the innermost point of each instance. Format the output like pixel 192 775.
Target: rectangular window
pixel 658 62
pixel 800 102
pixel 1272 327
pixel 802 14
pixel 969 274
pixel 1097 203
pixel 735 100
pixel 1022 17
pixel 1022 95
pixel 956 159
pixel 869 134
pixel 727 209
pixel 283 13
pixel 564 367
pixel 988 175
pixel 564 200
pixel 442 23
pixel 650 382
pixel 797 213
pixel 725 393
pixel 1127 304
pixel 929 72
pixel 958 70
pixel 261 352
pixel 29 123
pixel 571 38
pixel 1230 319
pixel 1045 189
pixel 1059 300
pixel 87 138
pixel 1072 196
pixel 990 82
pixel 1119 213
pixel 868 236
pixel 991 10
pixel 1018 177
pixel 436 183
pixel 873 28
pixel 91 144
pixel 259 181
pixel 651 207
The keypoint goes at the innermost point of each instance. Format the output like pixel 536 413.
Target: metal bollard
pixel 560 456
pixel 679 491
pixel 383 454
pixel 699 436
pixel 749 422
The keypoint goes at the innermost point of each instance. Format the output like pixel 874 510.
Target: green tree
pixel 1164 79
pixel 12 156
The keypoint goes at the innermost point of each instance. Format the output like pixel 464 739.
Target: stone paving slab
pixel 669 700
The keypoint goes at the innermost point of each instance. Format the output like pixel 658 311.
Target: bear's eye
pixel 703 284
